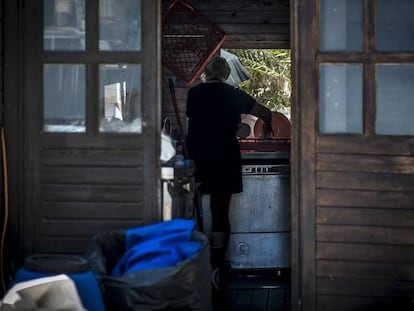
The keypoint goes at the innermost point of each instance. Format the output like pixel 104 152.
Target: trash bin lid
pixel 56 263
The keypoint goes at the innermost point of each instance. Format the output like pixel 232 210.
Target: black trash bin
pixel 184 286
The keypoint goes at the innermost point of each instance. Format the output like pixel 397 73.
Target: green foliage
pixel 270 77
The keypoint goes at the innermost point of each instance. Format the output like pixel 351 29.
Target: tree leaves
pixel 270 82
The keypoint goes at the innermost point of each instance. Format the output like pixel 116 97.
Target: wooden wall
pixel 248 24
pixel 84 191
pixel 364 223
pixel 352 195
pixel 354 209
pixel 66 187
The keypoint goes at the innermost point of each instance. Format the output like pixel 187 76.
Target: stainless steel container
pixel 260 219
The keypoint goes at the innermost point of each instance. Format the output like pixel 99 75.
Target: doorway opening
pixel 259 249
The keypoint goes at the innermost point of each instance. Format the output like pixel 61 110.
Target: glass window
pixel 120 25
pixel 64 97
pixel 64 25
pixel 395 25
pixel 340 108
pixel 395 99
pixel 341 25
pixel 120 98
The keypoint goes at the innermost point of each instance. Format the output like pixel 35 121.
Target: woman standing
pixel 214 110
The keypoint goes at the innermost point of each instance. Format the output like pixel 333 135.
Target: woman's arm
pixel 265 114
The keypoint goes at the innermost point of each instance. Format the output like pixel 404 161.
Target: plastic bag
pixel 167 145
pixel 47 293
pixel 167 148
pixel 184 286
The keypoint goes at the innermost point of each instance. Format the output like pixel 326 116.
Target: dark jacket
pixel 214 112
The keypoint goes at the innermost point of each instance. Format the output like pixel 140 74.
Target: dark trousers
pixel 219 205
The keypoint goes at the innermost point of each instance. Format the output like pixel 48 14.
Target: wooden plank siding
pixel 248 24
pixel 85 191
pixel 363 192
pixel 364 223
pixel 67 187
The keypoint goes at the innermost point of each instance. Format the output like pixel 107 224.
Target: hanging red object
pixel 189 40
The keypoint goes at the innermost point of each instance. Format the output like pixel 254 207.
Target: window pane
pixel 340 108
pixel 120 94
pixel 120 25
pixel 395 99
pixel 395 25
pixel 64 25
pixel 340 25
pixel 64 98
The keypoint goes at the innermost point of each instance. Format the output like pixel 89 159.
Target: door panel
pixel 91 125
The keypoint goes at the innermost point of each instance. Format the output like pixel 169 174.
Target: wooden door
pixel 90 112
pixel 353 214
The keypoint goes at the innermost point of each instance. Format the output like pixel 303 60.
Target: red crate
pixel 189 40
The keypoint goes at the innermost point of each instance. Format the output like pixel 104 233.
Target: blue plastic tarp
pixel 157 245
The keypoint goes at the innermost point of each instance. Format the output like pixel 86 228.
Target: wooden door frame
pixel 13 119
pixel 303 30
pixel 152 129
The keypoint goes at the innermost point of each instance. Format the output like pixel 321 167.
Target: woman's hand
pixel 267 129
pixel 265 115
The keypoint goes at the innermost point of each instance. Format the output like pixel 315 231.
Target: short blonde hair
pixel 217 69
